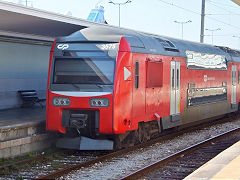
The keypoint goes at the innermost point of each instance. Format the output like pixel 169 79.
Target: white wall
pixel 22 67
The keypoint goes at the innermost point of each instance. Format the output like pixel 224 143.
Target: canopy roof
pixel 20 21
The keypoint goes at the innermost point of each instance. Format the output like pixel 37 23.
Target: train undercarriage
pixel 82 130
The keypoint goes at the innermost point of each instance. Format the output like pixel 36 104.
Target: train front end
pixel 80 93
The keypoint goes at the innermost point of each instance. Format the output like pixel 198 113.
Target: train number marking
pixel 106 47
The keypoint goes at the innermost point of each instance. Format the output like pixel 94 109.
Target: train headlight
pixel 61 101
pixel 99 102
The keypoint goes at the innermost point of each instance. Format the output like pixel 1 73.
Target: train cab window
pixel 136 74
pixel 154 74
pixel 82 70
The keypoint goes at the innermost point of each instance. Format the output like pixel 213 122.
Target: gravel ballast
pixel 125 164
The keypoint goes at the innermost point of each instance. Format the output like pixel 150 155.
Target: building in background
pixel 97 15
pixel 236 1
pixel 26 35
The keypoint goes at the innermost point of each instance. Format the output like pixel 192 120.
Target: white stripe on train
pixel 80 94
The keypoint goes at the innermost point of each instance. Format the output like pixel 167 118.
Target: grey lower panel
pixel 234 107
pixel 171 121
pixel 84 143
pixel 205 111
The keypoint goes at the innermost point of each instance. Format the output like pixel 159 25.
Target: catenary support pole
pixel 202 22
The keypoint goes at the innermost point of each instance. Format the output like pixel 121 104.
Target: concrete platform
pixel 225 165
pixel 22 131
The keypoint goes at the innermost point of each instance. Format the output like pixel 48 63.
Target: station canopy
pixel 236 1
pixel 25 22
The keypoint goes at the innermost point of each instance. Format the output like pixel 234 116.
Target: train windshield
pixel 86 67
pixel 84 70
pixel 84 74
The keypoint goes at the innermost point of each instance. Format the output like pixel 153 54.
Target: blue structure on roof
pixel 97 15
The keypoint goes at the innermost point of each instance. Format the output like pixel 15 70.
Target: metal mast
pixel 202 22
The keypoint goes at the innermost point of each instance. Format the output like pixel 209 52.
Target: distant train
pixel 108 87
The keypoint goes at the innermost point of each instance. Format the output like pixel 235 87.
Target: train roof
pixel 148 43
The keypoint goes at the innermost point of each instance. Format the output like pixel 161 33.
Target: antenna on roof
pixel 99 2
pixel 26 3
pixel 68 13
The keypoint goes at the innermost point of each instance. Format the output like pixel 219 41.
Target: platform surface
pixel 11 117
pixel 225 165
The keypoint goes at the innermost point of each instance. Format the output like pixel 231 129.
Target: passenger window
pixel 234 77
pixel 177 78
pixel 238 77
pixel 154 74
pixel 173 77
pixel 136 74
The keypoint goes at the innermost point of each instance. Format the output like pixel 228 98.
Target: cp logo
pixel 63 46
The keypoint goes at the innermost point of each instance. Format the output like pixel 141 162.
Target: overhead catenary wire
pixel 213 4
pixel 232 6
pixel 222 14
pixel 191 11
pixel 219 7
pixel 185 9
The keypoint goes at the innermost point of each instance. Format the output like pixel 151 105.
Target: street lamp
pixel 119 4
pixel 182 23
pixel 212 30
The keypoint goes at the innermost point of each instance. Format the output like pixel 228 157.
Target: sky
pixel 158 16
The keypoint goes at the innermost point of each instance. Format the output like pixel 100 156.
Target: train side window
pixel 238 77
pixel 154 74
pixel 173 77
pixel 234 77
pixel 177 78
pixel 136 74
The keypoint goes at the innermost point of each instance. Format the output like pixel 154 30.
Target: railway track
pixel 46 167
pixel 182 163
pixel 64 171
pixel 45 164
pixel 112 155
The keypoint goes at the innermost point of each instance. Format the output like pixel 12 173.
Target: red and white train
pixel 108 86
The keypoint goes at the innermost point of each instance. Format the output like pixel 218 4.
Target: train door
pixel 138 95
pixel 234 85
pixel 175 88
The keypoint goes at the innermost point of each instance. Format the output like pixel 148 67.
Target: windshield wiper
pixel 76 86
pixel 100 86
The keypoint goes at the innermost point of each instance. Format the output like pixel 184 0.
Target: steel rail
pixel 139 173
pixel 38 158
pixel 163 137
pixel 21 162
pixel 64 171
